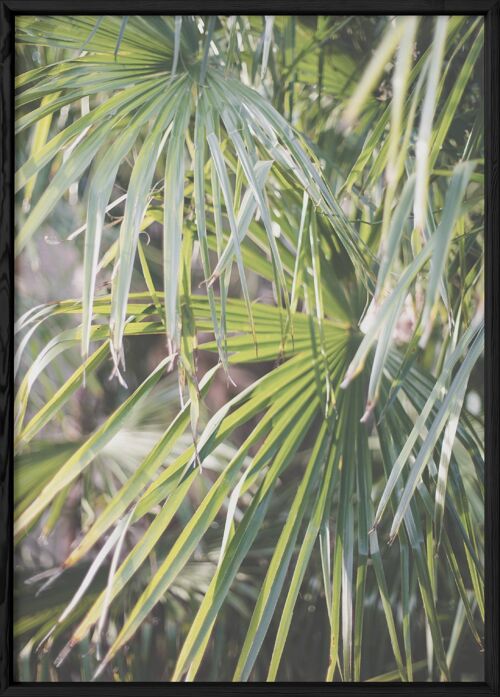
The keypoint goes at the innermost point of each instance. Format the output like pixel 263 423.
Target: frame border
pixel 490 9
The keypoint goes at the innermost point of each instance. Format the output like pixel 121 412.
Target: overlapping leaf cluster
pixel 347 179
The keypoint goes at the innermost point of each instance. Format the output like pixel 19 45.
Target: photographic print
pixel 249 338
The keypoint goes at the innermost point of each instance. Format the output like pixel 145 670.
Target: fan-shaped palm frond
pixel 257 143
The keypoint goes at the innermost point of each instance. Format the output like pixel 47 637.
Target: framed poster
pixel 249 378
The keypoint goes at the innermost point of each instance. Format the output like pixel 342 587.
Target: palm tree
pixel 337 163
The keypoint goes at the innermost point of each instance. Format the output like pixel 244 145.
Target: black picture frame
pixel 490 9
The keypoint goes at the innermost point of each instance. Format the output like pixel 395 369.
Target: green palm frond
pixel 256 153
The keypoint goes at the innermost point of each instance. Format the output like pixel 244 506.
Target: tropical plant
pixel 333 165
